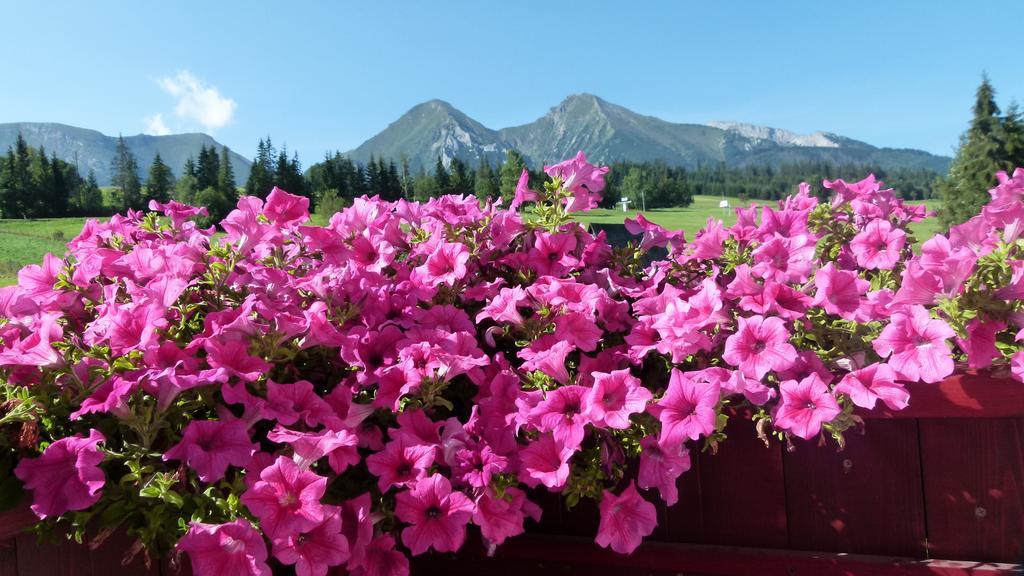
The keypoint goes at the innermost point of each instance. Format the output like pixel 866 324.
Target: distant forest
pixel 36 185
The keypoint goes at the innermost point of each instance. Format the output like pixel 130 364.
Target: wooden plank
pixel 974 487
pixel 8 558
pixel 563 556
pixel 56 557
pixel 683 522
pixel 965 395
pixel 15 520
pixel 866 499
pixel 742 491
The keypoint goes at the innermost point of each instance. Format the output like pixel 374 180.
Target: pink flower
pixel 1017 365
pixel 980 344
pixel 564 414
pixel 878 247
pixel 625 520
pixel 339 446
pixel 545 461
pixel 614 397
pixel 381 559
pixel 552 254
pixel 445 265
pixel 688 409
pixel 759 345
pixel 285 209
pixel 523 192
pixel 871 383
pixel 66 477
pixel 437 516
pixel 805 406
pixel 210 446
pixel 400 464
pixel 500 518
pixel 286 499
pixel 660 466
pixel 233 356
pixel 547 355
pixel 918 345
pixel 232 549
pixel 582 178
pixel 839 291
pixel 314 552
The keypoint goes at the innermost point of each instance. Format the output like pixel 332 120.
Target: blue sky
pixel 325 76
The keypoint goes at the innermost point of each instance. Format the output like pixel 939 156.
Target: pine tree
pixel 159 182
pixel 125 170
pixel 509 174
pixel 485 185
pixel 442 179
pixel 90 197
pixel 991 144
pixel 207 167
pixel 226 175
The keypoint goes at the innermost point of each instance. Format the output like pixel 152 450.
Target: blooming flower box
pixel 937 488
pixel 415 380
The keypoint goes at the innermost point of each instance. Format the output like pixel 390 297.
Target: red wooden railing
pixel 941 480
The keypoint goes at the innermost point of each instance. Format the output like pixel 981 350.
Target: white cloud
pixel 155 125
pixel 198 101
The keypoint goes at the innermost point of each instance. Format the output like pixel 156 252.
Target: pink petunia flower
pixel 400 464
pixel 660 466
pixel 563 413
pixel 878 246
pixel 286 499
pixel 688 408
pixel 445 265
pixel 839 291
pixel 980 344
pixel 436 514
pixel 210 446
pixel 805 406
pixel 872 383
pixel 545 461
pixel 614 397
pixel 339 446
pixel 381 559
pixel 625 520
pixel 231 549
pixel 917 344
pixel 66 477
pixel 500 518
pixel 314 552
pixel 758 346
pixel 582 178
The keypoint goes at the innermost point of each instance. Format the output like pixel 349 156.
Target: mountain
pixel 431 129
pixel 94 150
pixel 609 133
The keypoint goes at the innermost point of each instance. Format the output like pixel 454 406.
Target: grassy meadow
pixel 27 241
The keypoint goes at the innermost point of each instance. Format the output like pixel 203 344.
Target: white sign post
pixel 625 202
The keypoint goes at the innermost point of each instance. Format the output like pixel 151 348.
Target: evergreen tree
pixel 90 197
pixel 207 167
pixel 125 170
pixel 406 178
pixel 261 174
pixel 159 182
pixel 461 180
pixel 442 180
pixel 486 185
pixel 991 144
pixel 226 175
pixel 509 174
pixel 16 181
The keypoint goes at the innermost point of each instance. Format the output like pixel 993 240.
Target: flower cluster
pixel 355 393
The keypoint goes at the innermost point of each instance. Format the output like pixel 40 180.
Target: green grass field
pixel 27 241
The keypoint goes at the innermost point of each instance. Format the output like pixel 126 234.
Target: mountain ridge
pixel 93 150
pixel 608 132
